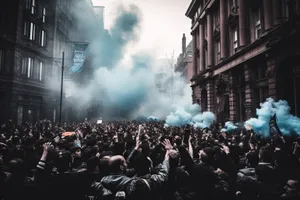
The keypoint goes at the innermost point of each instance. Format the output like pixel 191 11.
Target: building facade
pixel 184 64
pixel 26 57
pixel 245 51
pixel 33 35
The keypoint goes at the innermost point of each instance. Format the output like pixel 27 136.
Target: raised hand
pixel 47 146
pixel 167 144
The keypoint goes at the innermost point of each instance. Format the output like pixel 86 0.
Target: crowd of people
pixel 145 160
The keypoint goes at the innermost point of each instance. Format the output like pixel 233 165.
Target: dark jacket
pixel 111 184
pixel 68 185
pixel 246 172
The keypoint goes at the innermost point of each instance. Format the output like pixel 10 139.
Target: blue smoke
pixel 229 126
pixel 110 48
pixel 125 89
pixel 126 92
pixel 152 118
pixel 287 122
pixel 191 115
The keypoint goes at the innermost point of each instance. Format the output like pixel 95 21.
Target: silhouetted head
pixel 174 158
pixel 206 155
pixel 63 161
pixel 139 189
pixel 117 164
pixel 252 159
pixel 265 155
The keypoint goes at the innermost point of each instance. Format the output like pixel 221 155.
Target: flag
pixel 274 128
pixel 79 55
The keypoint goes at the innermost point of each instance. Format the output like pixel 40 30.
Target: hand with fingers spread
pixel 47 147
pixel 167 144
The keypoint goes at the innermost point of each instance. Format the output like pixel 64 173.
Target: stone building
pixel 245 51
pixel 26 57
pixel 33 35
pixel 184 63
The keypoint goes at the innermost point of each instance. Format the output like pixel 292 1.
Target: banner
pixel 79 54
pixel 274 129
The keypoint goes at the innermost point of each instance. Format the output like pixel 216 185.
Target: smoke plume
pixel 192 115
pixel 229 126
pixel 287 123
pixel 127 91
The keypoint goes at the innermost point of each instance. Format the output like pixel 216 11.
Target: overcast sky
pixel 163 24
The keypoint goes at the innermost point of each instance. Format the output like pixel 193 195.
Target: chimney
pixel 183 44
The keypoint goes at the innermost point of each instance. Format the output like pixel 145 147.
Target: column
pixel 232 100
pixel 271 69
pixel 277 12
pixel 210 96
pixel 201 46
pixel 243 29
pixel 210 44
pixel 267 14
pixel 195 66
pixel 249 98
pixel 223 29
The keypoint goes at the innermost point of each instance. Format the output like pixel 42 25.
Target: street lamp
pixel 62 78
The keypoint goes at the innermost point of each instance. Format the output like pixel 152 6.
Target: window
pixel 44 15
pixel 20 114
pixel 1 59
pixel 33 7
pixel 285 7
pixel 43 38
pixel 257 23
pixel 24 66
pixel 32 31
pixel 29 67
pixel 38 70
pixel 26 28
pixel 54 115
pixel 27 4
pixel 41 71
pixel 235 40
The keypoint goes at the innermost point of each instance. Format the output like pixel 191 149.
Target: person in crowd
pixel 145 160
